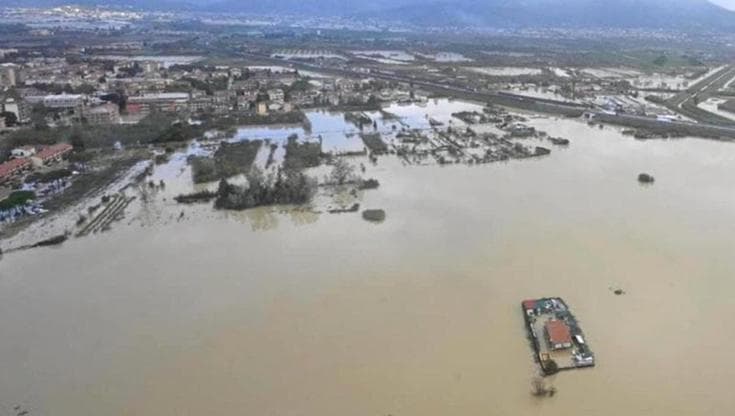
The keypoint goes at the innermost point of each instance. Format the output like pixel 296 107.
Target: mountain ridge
pixel 651 14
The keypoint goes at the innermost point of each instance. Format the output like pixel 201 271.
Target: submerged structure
pixel 557 340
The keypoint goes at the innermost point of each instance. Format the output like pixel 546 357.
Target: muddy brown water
pixel 275 313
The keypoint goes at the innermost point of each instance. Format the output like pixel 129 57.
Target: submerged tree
pixel 540 389
pixel 551 367
pixel 288 186
pixel 341 172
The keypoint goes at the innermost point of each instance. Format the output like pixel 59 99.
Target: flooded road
pixel 293 313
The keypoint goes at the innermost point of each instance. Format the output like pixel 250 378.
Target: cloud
pixel 728 4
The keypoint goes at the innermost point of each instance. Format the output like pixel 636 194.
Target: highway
pixel 685 103
pixel 718 131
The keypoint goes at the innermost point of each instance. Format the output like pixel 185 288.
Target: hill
pixel 649 14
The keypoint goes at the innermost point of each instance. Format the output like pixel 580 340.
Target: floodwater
pixel 337 134
pixel 295 313
pixel 389 57
pixel 507 71
pixel 446 57
pixel 166 61
pixel 418 116
pixel 340 136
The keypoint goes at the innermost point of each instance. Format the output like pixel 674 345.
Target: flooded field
pixel 306 54
pixel 386 56
pixel 537 92
pixel 284 312
pixel 506 71
pixel 166 61
pixel 340 136
pixel 666 81
pixel 417 116
pixel 446 57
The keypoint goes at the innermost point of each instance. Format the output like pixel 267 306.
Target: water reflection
pixel 268 218
pixel 339 135
pixel 259 219
pixel 303 216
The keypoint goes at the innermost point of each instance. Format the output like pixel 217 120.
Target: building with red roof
pixel 558 334
pixel 51 154
pixel 12 168
pixel 529 305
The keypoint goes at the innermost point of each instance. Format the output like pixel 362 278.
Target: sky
pixel 730 4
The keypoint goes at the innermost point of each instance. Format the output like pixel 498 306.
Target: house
pixel 201 103
pixel 246 85
pixel 8 75
pixel 529 306
pixel 243 101
pixel 22 152
pixel 20 109
pixel 558 334
pixel 276 95
pixel 521 131
pixel 158 102
pixel 103 114
pixel 262 108
pixel 12 168
pixel 51 154
pixel 304 98
pixel 63 101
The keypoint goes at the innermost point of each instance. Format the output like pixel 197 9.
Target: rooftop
pixel 559 332
pixel 54 150
pixel 162 96
pixel 11 166
pixel 529 304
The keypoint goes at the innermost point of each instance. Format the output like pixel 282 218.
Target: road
pixel 709 130
pixel 685 103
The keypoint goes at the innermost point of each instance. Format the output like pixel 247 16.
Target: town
pixel 78 116
pixel 79 112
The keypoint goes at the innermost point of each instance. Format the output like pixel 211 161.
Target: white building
pixel 103 114
pixel 21 152
pixel 276 95
pixel 8 75
pixel 164 102
pixel 6 52
pixel 17 108
pixel 63 101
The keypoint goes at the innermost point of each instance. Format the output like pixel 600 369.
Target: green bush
pixel 287 187
pixel 17 198
pixel 551 367
pixel 229 160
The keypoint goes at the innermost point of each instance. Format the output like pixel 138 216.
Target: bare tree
pixel 341 172
pixel 540 389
